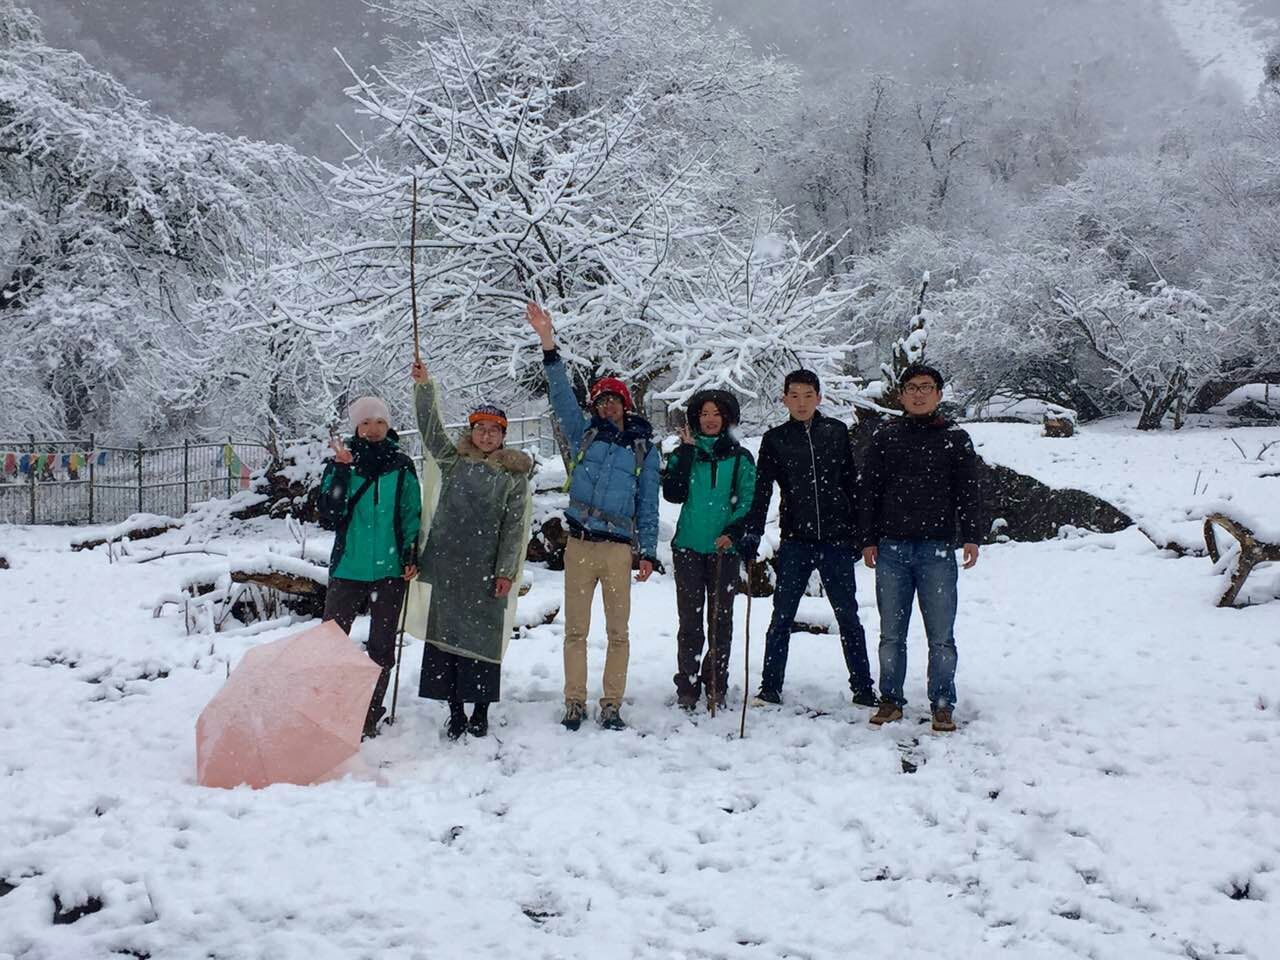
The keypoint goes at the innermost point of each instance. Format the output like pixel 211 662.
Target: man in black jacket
pixel 919 500
pixel 811 459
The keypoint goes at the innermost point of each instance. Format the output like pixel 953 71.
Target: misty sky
pixel 266 68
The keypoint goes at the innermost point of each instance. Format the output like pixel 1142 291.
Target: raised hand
pixel 686 435
pixel 418 372
pixel 540 320
pixel 340 452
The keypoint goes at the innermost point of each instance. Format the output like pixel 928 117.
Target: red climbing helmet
pixel 610 385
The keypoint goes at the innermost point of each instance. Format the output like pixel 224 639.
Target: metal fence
pixel 78 481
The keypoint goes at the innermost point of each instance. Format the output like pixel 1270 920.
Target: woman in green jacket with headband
pixel 714 478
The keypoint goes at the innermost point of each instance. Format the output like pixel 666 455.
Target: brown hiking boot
pixel 888 713
pixel 942 721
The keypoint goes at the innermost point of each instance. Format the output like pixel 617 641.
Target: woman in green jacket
pixel 473 555
pixel 369 497
pixel 714 478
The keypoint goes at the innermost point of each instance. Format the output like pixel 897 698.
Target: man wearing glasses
pixel 613 512
pixel 918 500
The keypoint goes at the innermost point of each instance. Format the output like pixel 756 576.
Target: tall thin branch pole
pixel 413 274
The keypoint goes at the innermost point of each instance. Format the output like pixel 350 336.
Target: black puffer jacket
pixel 812 463
pixel 920 482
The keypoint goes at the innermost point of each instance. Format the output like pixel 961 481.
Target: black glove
pixel 749 547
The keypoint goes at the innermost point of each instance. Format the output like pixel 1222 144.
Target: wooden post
pixel 93 456
pixel 31 477
pixel 228 466
pixel 139 476
pixel 186 475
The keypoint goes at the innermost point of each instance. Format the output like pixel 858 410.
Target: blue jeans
pixel 926 569
pixel 834 563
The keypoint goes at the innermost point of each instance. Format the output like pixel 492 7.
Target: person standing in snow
pixel 810 458
pixel 714 479
pixel 472 557
pixel 613 510
pixel 369 497
pixel 919 499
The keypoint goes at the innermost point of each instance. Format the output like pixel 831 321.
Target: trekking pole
pixel 746 660
pixel 715 627
pixel 395 687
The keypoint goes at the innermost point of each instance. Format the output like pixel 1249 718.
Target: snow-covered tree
pixel 535 183
pixel 117 223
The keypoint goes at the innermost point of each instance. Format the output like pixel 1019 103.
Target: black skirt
pixel 448 676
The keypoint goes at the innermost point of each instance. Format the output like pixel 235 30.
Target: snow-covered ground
pixel 1111 791
pixel 1218 36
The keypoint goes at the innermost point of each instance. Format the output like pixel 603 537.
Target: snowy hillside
pixel 1110 792
pixel 1219 37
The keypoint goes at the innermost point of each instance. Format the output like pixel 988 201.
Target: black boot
pixel 479 725
pixel 457 720
pixel 376 709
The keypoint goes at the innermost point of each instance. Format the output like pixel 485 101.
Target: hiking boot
pixel 376 710
pixel 478 726
pixel 573 714
pixel 942 721
pixel 457 724
pixel 611 718
pixel 864 698
pixel 888 713
pixel 764 696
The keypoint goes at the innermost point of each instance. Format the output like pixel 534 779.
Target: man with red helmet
pixel 613 510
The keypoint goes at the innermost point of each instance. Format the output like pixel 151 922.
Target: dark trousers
pixel 697 590
pixel 347 599
pixel 835 563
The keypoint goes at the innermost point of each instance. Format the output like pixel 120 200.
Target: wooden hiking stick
pixel 395 688
pixel 413 274
pixel 746 660
pixel 715 627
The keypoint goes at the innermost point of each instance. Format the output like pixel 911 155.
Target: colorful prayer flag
pixel 10 463
pixel 49 460
pixel 244 477
pixel 66 461
pixel 24 464
pixel 102 458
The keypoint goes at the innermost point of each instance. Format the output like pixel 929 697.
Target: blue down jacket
pixel 608 494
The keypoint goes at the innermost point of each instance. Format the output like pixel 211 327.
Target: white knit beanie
pixel 369 408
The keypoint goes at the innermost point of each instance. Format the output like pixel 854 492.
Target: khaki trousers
pixel 587 563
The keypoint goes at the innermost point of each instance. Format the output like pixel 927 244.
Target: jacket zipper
pixel 813 462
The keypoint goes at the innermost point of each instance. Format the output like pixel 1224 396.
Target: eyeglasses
pixel 919 388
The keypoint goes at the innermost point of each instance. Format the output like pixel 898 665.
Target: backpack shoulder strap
pixel 641 447
pixel 351 504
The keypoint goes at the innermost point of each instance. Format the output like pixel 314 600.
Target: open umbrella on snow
pixel 290 712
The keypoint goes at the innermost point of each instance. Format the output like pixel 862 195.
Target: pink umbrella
pixel 290 712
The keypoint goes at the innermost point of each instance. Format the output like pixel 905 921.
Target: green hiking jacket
pixel 378 541
pixel 701 476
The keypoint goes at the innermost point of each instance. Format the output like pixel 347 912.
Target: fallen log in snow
pixel 1253 551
